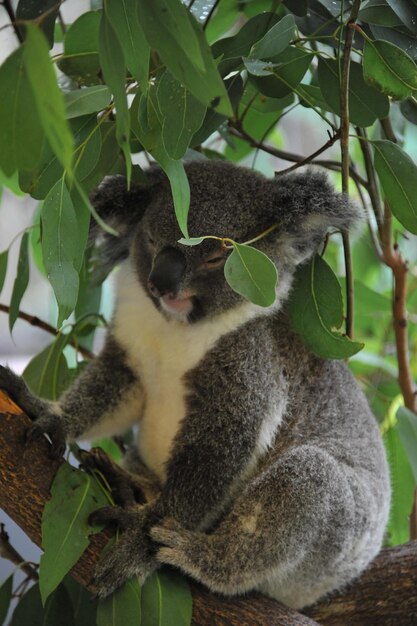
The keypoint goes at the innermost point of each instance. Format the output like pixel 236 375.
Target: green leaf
pixel 276 39
pixel 252 274
pixel 257 67
pixel 48 97
pixel 47 374
pixel 390 69
pixel 3 267
pixel 366 104
pixel 180 189
pixel 403 485
pixel 375 12
pixel 167 35
pixel 108 158
pixel 84 607
pixel 123 15
pixel 406 13
pixel 87 100
pixel 316 308
pixel 191 241
pixel 397 35
pixel 409 110
pixel 166 600
pixel 6 589
pixel 62 254
pixel 290 67
pixel 398 175
pixel 114 70
pixel 44 11
pixel 407 429
pixel 122 607
pixel 21 133
pixel 57 612
pixel 182 115
pixel 21 281
pixel 80 60
pixel 65 529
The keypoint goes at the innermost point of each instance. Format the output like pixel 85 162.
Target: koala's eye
pixel 151 241
pixel 213 261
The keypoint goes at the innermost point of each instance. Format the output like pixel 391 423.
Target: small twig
pixel 62 23
pixel 310 158
pixel 35 321
pixel 344 149
pixel 370 173
pixel 388 130
pixel 10 12
pixel 399 267
pixel 8 552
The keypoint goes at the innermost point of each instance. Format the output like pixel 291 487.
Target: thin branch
pixel 35 321
pixel 344 149
pixel 8 552
pixel 399 267
pixel 12 16
pixel 370 173
pixel 388 130
pixel 310 158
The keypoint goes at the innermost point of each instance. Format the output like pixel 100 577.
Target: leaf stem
pixel 12 16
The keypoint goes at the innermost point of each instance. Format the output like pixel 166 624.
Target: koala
pixel 262 463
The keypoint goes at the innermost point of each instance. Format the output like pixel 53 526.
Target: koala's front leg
pixel 105 390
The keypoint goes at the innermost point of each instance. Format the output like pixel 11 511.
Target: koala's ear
pixel 122 209
pixel 306 207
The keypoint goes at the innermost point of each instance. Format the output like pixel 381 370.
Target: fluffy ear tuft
pixel 307 207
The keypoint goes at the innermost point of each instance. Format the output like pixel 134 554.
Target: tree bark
pixel 385 595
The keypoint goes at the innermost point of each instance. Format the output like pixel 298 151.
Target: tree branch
pixel 8 552
pixel 344 150
pixel 372 186
pixel 10 12
pixel 384 595
pixel 35 321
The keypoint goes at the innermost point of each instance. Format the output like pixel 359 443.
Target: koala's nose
pixel 167 272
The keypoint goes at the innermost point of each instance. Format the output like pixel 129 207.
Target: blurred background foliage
pixel 130 81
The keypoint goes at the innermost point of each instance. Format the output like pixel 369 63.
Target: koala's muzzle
pixel 167 272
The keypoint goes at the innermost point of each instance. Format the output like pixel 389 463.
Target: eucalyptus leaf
pixel 366 104
pixel 390 69
pixel 276 39
pixel 65 529
pixel 84 606
pixel 258 67
pixel 57 611
pixel 6 589
pixel 182 115
pixel 252 274
pixel 86 100
pixel 290 68
pixel 122 607
pixel 3 267
pixel 409 110
pixel 48 97
pixel 165 24
pixel 80 60
pixel 403 485
pixel 316 309
pixel 166 600
pixel 406 13
pixel 407 429
pixel 21 132
pixel 62 254
pixel 43 11
pixel 47 374
pixel 191 241
pixel 398 176
pixel 398 36
pixel 124 18
pixel 377 12
pixel 21 281
pixel 114 70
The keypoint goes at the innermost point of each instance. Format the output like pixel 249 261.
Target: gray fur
pixel 273 475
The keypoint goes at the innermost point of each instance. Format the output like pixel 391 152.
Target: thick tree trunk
pixel 385 595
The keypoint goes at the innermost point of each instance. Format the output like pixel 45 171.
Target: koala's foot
pixel 133 554
pixel 12 384
pixel 127 489
pixel 50 425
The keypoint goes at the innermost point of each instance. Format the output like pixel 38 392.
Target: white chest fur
pixel 161 351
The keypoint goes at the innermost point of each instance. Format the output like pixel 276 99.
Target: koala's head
pixel 187 282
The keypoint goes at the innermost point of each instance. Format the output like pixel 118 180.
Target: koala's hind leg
pixel 289 534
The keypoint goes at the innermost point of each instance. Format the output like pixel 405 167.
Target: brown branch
pixel 8 552
pixel 10 12
pixel 413 518
pixel 383 596
pixel 345 157
pixel 35 321
pixel 310 158
pixel 399 267
pixel 372 185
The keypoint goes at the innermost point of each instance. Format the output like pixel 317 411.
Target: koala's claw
pixel 54 431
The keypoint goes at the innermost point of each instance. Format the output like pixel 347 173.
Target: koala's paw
pixel 11 383
pixel 132 555
pixel 176 543
pixel 126 488
pixel 52 426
